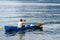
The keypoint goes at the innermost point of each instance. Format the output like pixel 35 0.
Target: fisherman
pixel 21 23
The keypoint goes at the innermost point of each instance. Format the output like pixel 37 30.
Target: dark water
pixel 36 1
pixel 47 11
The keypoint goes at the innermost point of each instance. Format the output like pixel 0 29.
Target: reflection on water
pixel 21 35
pixel 34 11
pixel 50 32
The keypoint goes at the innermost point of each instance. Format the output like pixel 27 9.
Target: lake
pixel 47 11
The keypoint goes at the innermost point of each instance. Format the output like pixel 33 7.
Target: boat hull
pixel 15 28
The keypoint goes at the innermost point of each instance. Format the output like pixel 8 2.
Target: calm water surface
pixel 47 11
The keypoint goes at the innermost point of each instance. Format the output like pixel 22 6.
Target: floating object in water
pixel 10 28
pixel 15 28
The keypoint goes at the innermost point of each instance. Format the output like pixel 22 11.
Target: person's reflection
pixel 21 35
pixel 21 24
